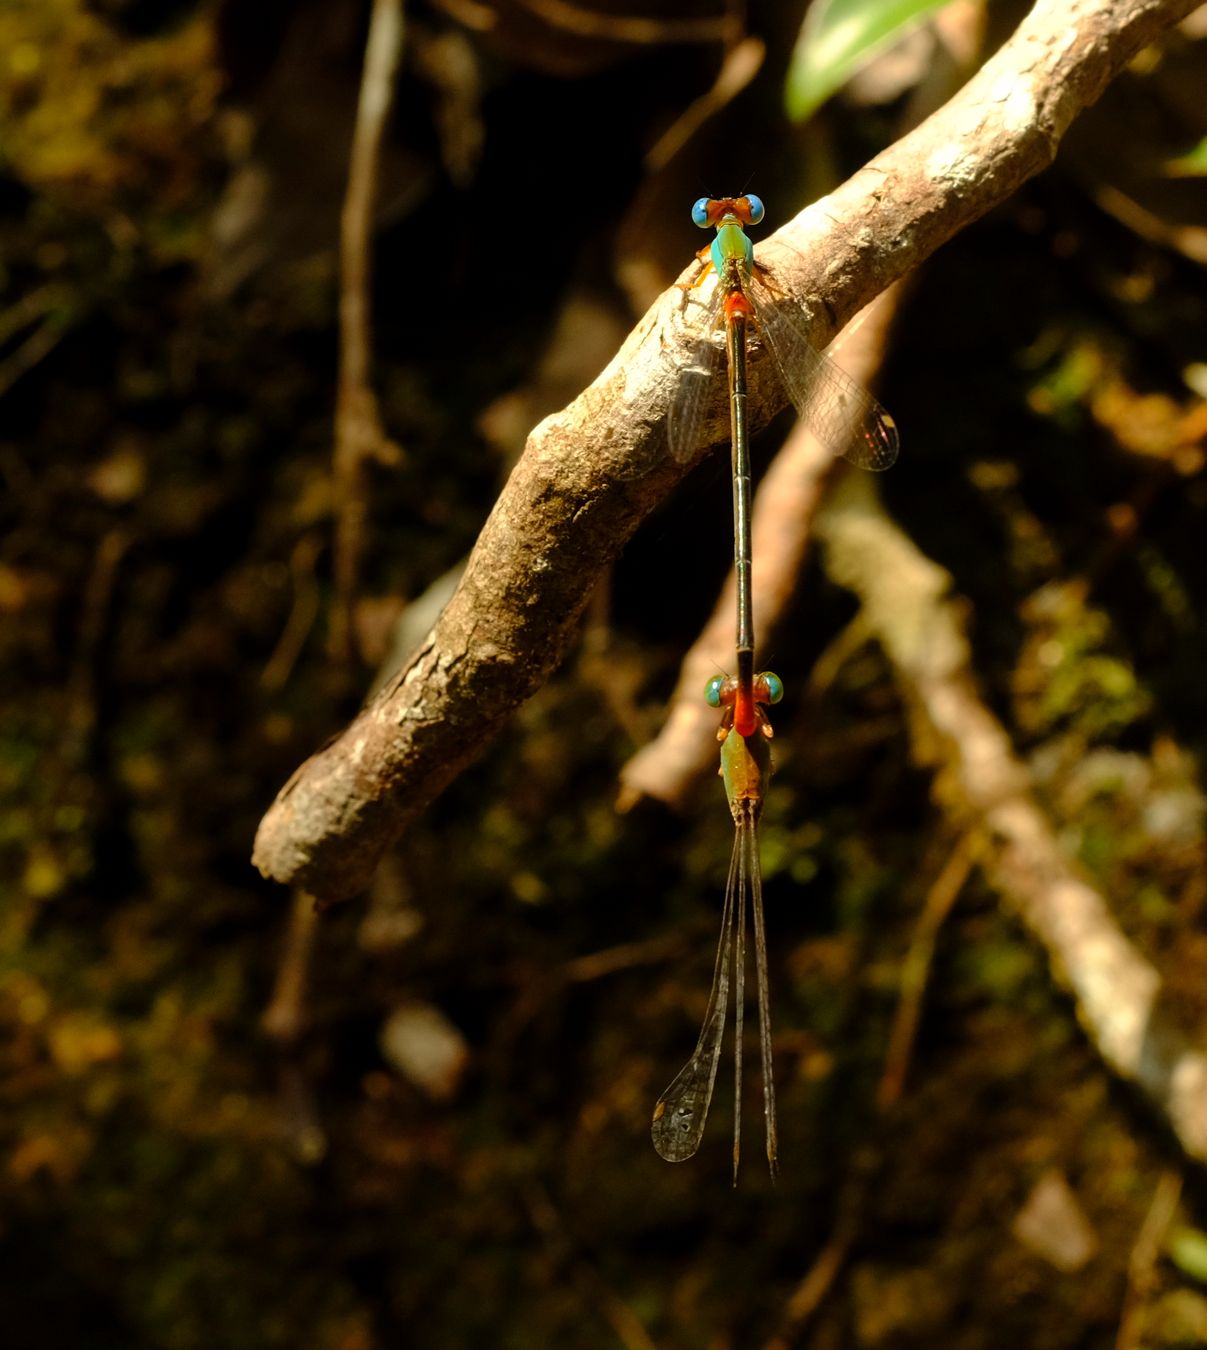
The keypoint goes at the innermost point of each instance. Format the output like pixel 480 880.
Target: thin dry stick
pixel 284 1023
pixel 915 972
pixel 742 63
pixel 96 615
pixel 597 965
pixel 981 785
pixel 813 1288
pixel 31 306
pixel 1141 1269
pixel 40 343
pixel 360 439
pixel 590 474
pixel 284 1020
pixel 635 29
pixel 302 614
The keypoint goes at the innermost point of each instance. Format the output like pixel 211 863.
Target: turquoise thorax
pixel 731 245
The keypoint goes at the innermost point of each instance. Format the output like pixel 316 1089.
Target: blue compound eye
pixel 712 691
pixel 757 212
pixel 700 212
pixel 773 684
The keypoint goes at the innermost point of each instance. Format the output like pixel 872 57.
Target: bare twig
pixel 284 1020
pixel 40 343
pixel 741 64
pixel 1141 1268
pixel 302 614
pixel 284 1023
pixel 1188 239
pixel 982 786
pixel 360 439
pixel 537 989
pixel 631 28
pixel 865 1164
pixel 916 971
pixel 597 965
pixel 592 473
pixel 33 305
pixel 815 1285
pixel 95 618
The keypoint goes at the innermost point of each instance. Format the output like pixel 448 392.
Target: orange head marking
pixel 744 709
pixel 746 712
pixel 713 211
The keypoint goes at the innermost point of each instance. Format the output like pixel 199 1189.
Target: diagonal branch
pixel 981 785
pixel 590 474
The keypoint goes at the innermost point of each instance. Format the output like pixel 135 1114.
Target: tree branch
pixel 590 474
pixel 981 784
pixel 360 438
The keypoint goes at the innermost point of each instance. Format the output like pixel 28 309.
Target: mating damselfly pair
pixel 852 424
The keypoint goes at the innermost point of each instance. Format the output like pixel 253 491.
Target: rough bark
pixel 591 473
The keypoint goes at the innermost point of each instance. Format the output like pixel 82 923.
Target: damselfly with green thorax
pixel 847 419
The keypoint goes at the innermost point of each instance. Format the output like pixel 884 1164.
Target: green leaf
pixel 1193 164
pixel 1187 1248
pixel 837 38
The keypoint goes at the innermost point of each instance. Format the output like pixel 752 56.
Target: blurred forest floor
pixel 440 1138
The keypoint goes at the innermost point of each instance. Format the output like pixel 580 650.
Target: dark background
pixel 177 1172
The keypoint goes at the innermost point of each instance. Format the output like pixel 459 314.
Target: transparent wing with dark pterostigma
pixel 682 1110
pixel 835 408
pixel 700 383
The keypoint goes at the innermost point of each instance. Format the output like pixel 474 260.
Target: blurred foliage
pixel 176 1173
pixel 98 122
pixel 839 38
